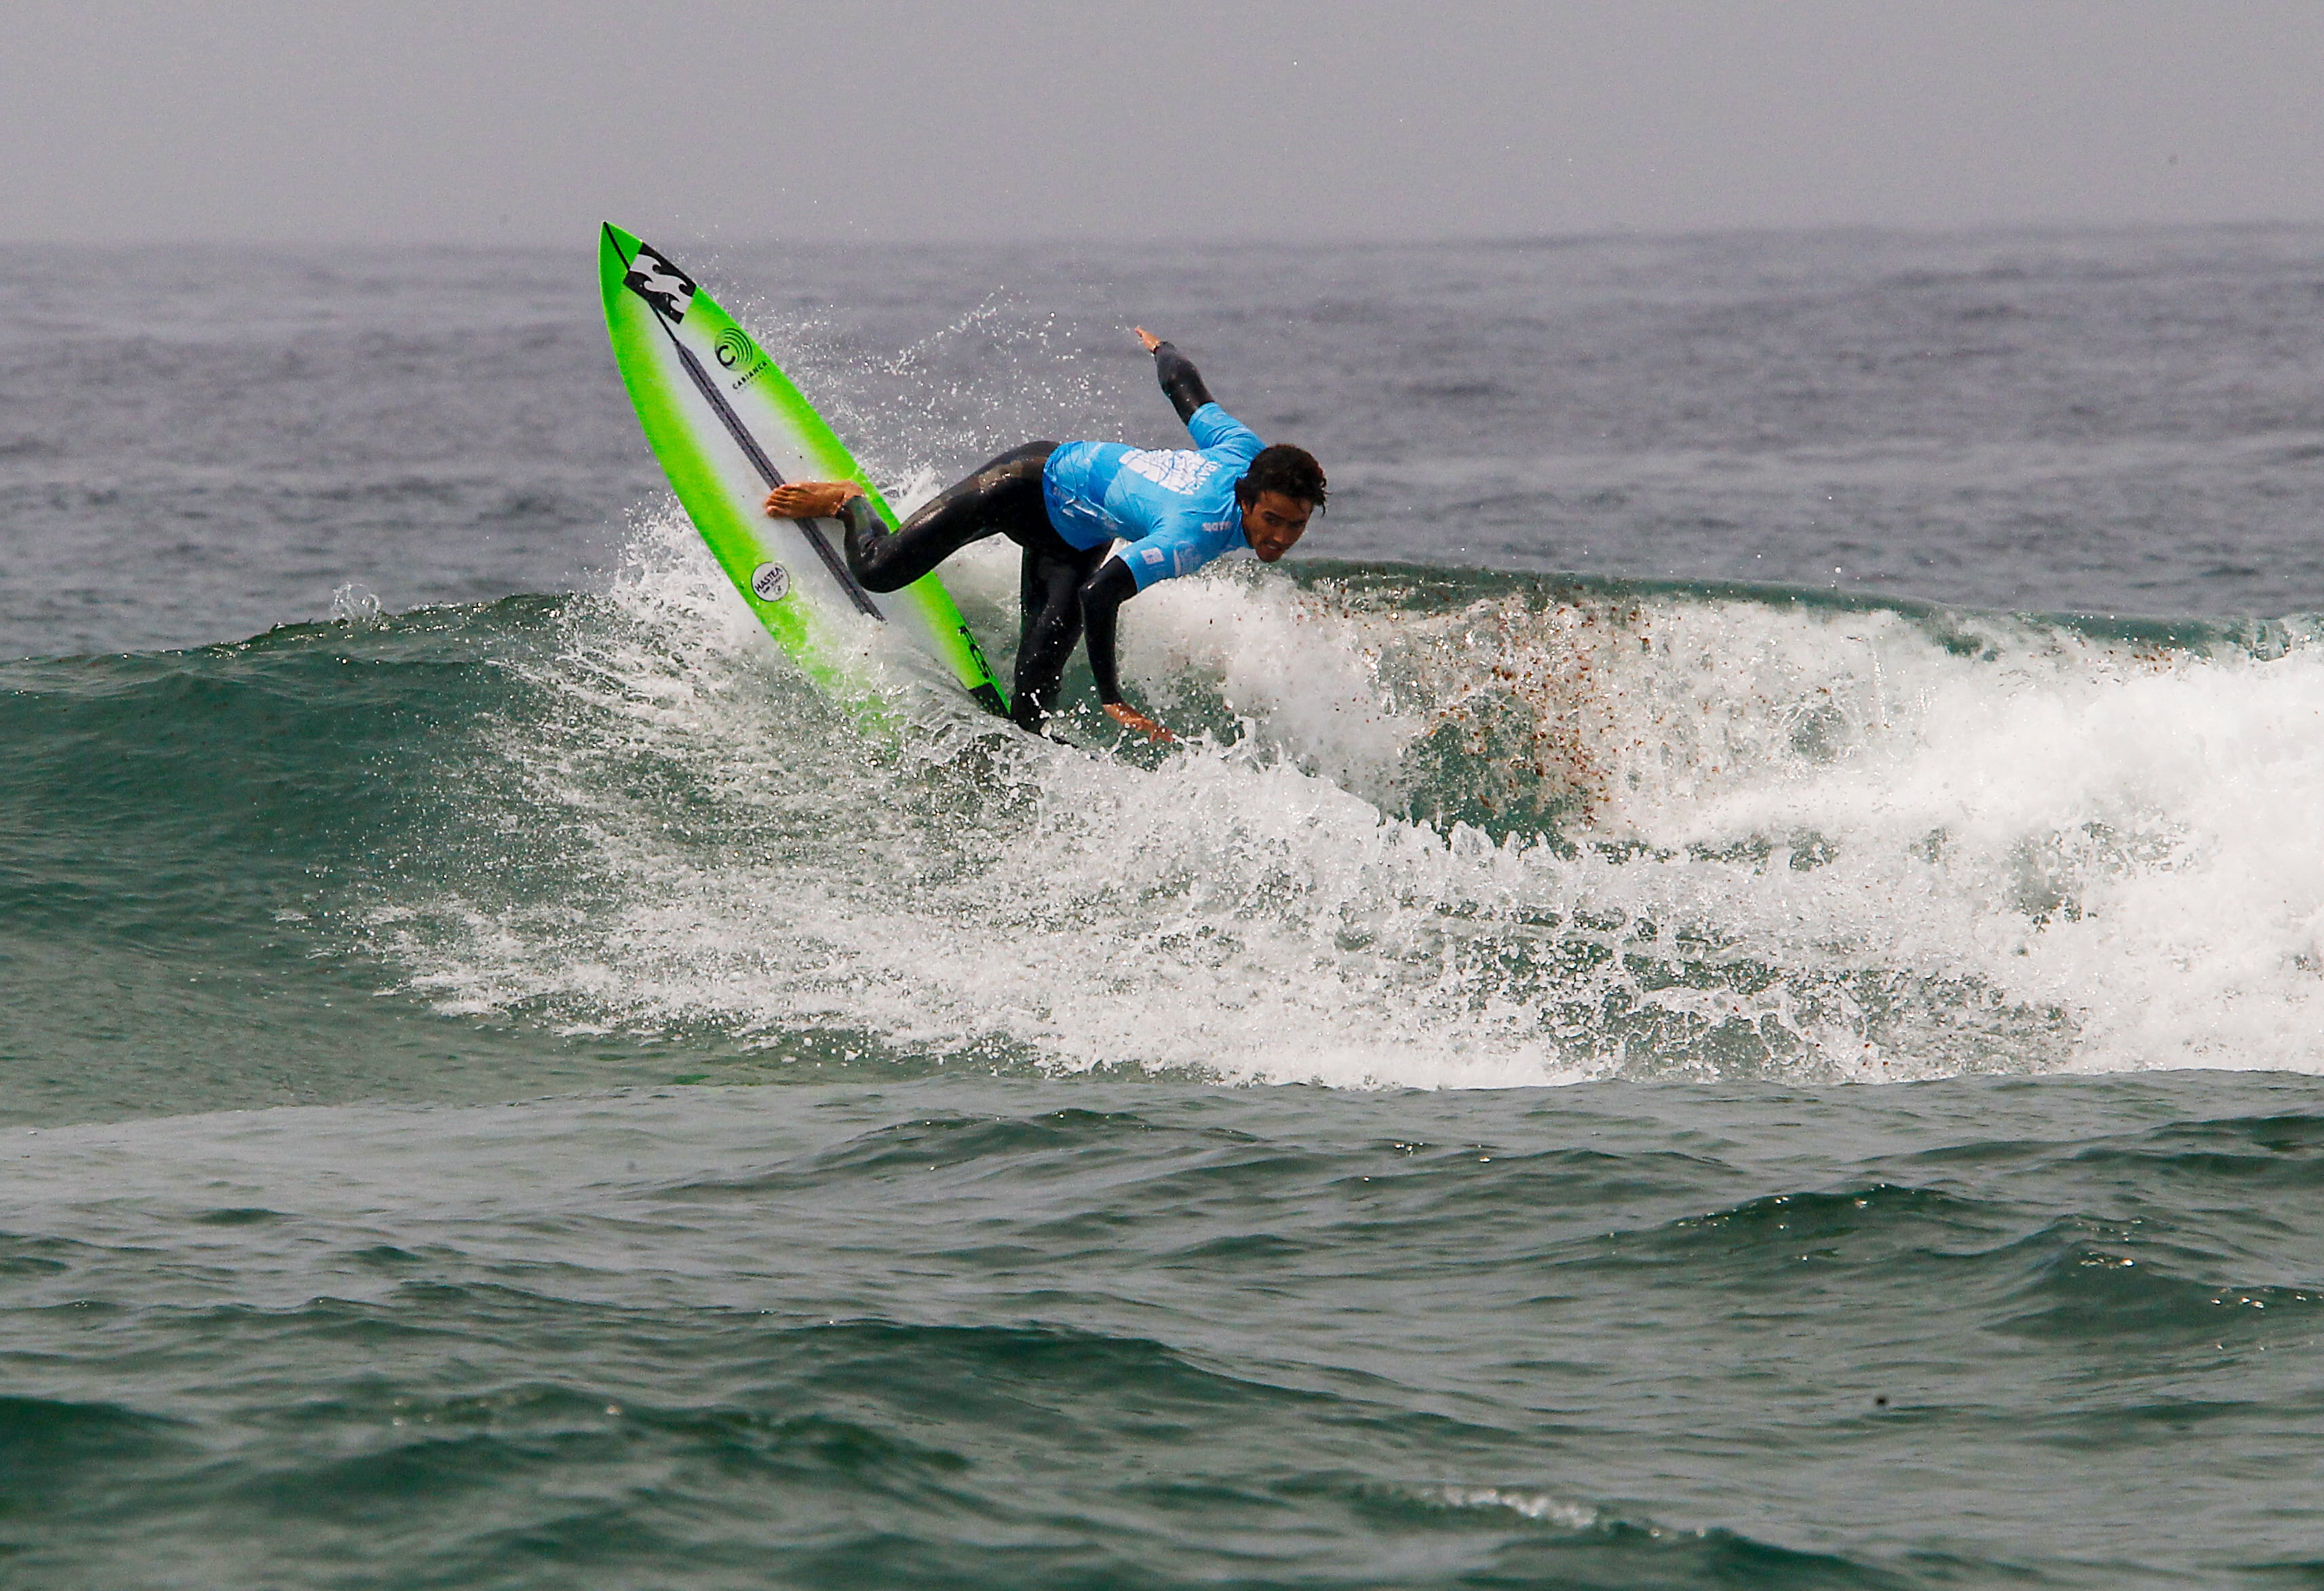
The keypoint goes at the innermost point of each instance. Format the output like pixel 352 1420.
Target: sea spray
pixel 1434 830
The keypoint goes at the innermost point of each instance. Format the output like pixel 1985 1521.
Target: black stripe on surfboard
pixel 831 558
pixel 743 440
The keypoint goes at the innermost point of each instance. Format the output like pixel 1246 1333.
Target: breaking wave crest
pixel 1433 827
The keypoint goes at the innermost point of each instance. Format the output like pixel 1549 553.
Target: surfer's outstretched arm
pixel 1102 596
pixel 1182 384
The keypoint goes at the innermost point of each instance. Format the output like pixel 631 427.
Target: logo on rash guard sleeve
pixel 660 284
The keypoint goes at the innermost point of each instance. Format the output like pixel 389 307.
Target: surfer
pixel 1066 505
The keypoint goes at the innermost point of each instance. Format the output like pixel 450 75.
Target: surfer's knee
pixel 876 578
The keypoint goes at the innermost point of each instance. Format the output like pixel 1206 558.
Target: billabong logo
pixel 660 284
pixel 770 582
pixel 733 347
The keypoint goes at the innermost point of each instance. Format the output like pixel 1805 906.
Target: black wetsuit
pixel 1064 588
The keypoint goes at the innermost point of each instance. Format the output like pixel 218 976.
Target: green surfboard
pixel 728 427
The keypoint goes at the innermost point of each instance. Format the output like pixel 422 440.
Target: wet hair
pixel 1292 471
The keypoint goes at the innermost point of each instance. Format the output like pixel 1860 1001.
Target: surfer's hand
pixel 1129 717
pixel 810 499
pixel 1148 338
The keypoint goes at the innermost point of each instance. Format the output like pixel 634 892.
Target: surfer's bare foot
pixel 810 499
pixel 1129 717
pixel 1148 338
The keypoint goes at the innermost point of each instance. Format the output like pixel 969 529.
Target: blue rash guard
pixel 1177 510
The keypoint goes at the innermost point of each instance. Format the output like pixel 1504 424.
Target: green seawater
pixel 1786 1057
pixel 1016 1333
pixel 816 1252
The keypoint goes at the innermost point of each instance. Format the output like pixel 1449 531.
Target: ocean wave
pixel 1443 828
pixel 1193 1332
pixel 1434 827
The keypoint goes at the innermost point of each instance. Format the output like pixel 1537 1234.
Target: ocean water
pixel 1728 991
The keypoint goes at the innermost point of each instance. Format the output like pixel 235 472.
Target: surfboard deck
pixel 728 425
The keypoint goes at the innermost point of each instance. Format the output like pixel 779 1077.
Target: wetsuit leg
pixel 1002 497
pixel 1050 590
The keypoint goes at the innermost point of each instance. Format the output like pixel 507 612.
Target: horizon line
pixel 1180 238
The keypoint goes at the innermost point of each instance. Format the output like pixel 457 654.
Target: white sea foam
pixel 1781 841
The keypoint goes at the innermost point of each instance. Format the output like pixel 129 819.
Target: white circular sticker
pixel 771 581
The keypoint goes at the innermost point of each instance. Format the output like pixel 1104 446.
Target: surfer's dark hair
pixel 1292 471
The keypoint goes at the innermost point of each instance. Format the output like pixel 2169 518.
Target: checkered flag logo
pixel 660 284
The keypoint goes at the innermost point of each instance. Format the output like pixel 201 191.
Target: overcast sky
pixel 482 122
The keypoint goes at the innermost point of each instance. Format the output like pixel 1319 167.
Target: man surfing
pixel 1066 505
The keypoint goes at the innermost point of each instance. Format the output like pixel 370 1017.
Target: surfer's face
pixel 1274 523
